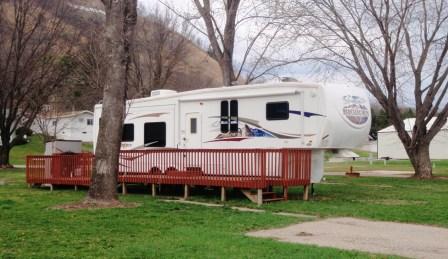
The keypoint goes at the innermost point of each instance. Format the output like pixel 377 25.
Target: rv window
pixel 277 111
pixel 155 134
pixel 234 116
pixel 128 133
pixel 193 125
pixel 89 121
pixel 224 116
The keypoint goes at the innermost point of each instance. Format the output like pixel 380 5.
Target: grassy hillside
pixel 82 19
pixel 199 70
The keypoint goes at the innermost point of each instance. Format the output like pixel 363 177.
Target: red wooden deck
pixel 238 168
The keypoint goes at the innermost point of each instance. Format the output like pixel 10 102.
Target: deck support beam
pixel 285 193
pixel 124 190
pixel 223 194
pixel 259 197
pixel 51 187
pixel 306 189
pixel 153 190
pixel 186 191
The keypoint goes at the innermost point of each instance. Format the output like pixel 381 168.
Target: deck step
pixel 267 196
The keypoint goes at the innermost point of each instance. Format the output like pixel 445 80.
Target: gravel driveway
pixel 409 240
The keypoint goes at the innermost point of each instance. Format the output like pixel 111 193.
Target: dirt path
pixel 244 209
pixel 409 240
pixel 378 173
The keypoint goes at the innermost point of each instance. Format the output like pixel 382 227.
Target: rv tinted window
pixel 234 116
pixel 277 111
pixel 128 133
pixel 224 116
pixel 193 125
pixel 155 134
pixel 89 121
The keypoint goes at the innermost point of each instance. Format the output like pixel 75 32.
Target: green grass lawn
pixel 389 199
pixel 365 154
pixel 440 167
pixel 34 147
pixel 87 147
pixel 379 198
pixel 31 228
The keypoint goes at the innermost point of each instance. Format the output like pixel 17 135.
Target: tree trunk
pixel 5 149
pixel 4 156
pixel 228 75
pixel 421 161
pixel 121 17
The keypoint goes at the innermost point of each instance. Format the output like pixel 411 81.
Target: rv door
pixel 193 132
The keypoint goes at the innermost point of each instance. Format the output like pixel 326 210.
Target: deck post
pixel 285 193
pixel 51 187
pixel 186 191
pixel 306 189
pixel 124 190
pixel 259 197
pixel 153 190
pixel 223 194
pixel 76 188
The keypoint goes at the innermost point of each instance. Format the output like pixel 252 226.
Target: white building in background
pixel 77 125
pixel 389 145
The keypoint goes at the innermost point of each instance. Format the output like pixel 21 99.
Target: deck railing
pixel 59 169
pixel 239 168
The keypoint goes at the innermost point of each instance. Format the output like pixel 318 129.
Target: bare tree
pixel 88 75
pixel 47 123
pixel 397 48
pixel 121 17
pixel 91 61
pixel 220 22
pixel 222 43
pixel 34 62
pixel 160 50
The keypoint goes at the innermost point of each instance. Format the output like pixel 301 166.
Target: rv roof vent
pixel 161 92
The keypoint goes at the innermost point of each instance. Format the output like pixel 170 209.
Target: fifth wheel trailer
pixel 277 115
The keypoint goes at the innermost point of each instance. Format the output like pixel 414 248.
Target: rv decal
pixel 251 129
pixel 306 114
pixel 157 114
pixel 227 139
pixel 355 110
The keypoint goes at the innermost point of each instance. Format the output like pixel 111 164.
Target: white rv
pixel 277 115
